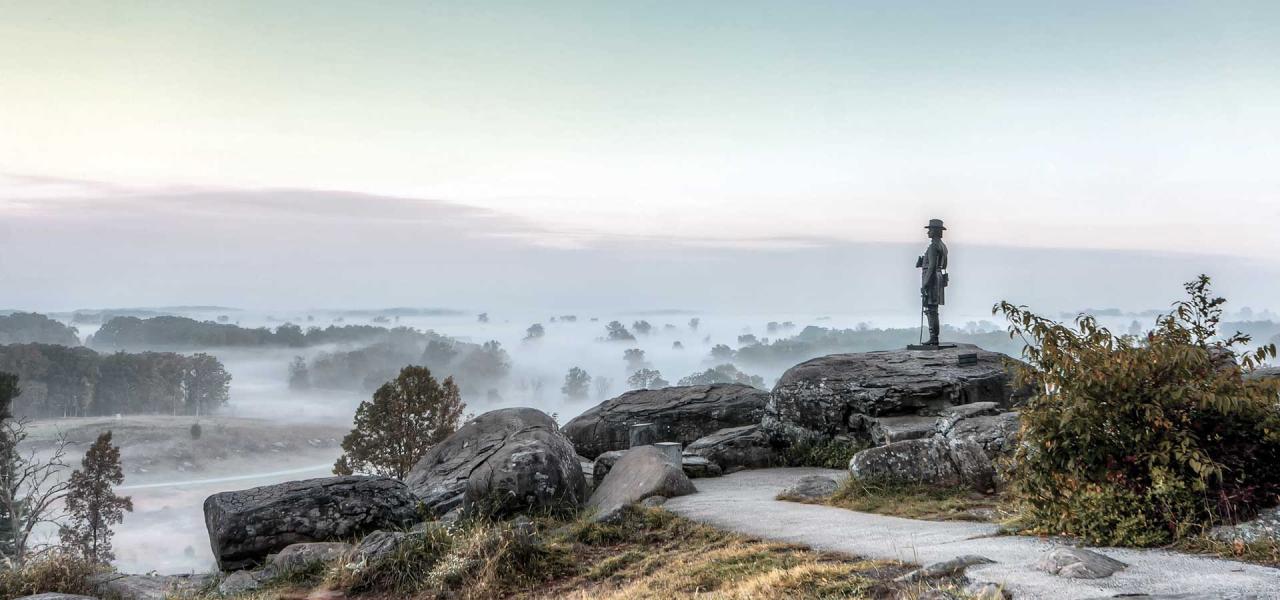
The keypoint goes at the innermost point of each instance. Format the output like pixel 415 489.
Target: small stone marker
pixel 672 451
pixel 643 434
pixel 968 358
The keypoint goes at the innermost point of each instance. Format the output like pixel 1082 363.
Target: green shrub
pixel 832 453
pixel 1142 440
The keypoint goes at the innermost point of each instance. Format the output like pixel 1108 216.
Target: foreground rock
pixel 680 414
pixel 1263 528
pixel 810 487
pixel 56 596
pixel 500 463
pixel 149 587
pixel 836 395
pixel 1078 563
pixel 935 461
pixel 946 568
pixel 997 434
pixel 736 448
pixel 300 557
pixel 245 526
pixel 641 473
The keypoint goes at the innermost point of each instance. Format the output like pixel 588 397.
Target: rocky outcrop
pixel 641 473
pixel 935 461
pixel 245 526
pixel 149 587
pixel 1265 527
pixel 695 466
pixel 604 463
pixel 946 568
pixel 736 448
pixel 996 434
pixel 680 414
pixel 500 463
pixel 1078 563
pixel 810 487
pixel 843 394
pixel 300 557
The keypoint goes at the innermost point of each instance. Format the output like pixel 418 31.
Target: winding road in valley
pixel 320 471
pixel 744 502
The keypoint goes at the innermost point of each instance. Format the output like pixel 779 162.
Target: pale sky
pixel 1150 126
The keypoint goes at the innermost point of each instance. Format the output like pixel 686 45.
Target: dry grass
pixel 648 554
pixel 1261 553
pixel 913 501
pixel 51 572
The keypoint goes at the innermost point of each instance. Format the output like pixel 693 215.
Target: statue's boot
pixel 934 327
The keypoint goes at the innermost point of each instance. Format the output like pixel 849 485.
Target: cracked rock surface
pixel 503 462
pixel 247 525
pixel 680 414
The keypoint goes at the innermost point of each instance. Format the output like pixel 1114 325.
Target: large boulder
pixel 736 448
pixel 500 463
pixel 934 461
pixel 680 414
pixel 247 525
pixel 842 394
pixel 642 472
pixel 126 586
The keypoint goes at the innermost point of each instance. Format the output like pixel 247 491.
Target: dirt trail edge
pixel 744 502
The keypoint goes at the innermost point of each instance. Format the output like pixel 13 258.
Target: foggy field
pixel 269 433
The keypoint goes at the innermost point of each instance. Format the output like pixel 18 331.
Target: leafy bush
pixel 1143 440
pixel 834 453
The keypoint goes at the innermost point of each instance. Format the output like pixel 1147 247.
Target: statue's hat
pixel 935 224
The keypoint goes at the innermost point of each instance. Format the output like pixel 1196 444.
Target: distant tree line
pixel 58 381
pixel 35 328
pixel 181 332
pixel 474 367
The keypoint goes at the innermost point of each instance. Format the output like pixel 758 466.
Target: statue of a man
pixel 933 277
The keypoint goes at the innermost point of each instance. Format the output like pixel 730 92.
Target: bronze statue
pixel 933 280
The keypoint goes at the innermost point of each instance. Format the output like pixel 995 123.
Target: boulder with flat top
pixel 856 394
pixel 247 525
pixel 678 414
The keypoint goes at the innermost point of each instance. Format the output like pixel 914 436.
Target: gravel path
pixel 743 502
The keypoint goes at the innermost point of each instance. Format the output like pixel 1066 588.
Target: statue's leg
pixel 931 312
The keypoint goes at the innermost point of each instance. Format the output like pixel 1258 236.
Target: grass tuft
pixel 911 501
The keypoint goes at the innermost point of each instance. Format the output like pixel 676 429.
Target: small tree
pixel 722 352
pixel 1140 440
pixel 31 488
pixel 536 331
pixel 635 359
pixel 92 505
pixel 299 375
pixel 693 323
pixel 642 327
pixel 405 418
pixel 577 384
pixel 647 379
pixel 617 332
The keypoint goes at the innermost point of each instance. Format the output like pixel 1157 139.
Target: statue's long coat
pixel 931 280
